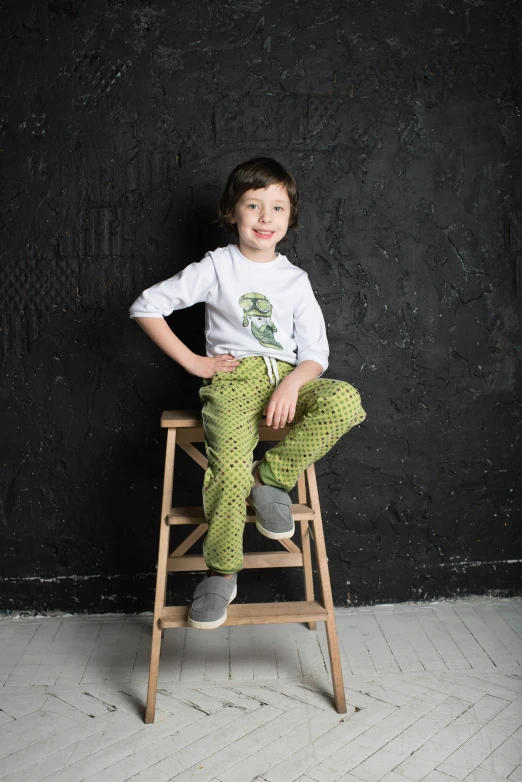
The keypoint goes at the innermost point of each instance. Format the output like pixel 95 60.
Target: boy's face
pixel 262 217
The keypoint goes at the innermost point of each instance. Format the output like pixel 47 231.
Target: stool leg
pixel 165 600
pixel 326 591
pixel 161 576
pixel 305 545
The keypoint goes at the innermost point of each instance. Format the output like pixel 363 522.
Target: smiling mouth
pixel 263 233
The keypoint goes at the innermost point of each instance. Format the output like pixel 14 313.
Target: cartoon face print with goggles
pixel 254 305
pixel 257 312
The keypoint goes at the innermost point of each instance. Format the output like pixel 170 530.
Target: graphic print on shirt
pixel 257 311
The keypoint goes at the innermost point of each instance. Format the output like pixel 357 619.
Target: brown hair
pixel 259 172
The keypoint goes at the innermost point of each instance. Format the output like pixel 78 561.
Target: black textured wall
pixel 401 122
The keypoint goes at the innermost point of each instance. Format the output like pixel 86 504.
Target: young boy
pixel 266 349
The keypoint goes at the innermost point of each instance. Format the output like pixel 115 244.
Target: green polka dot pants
pixel 232 406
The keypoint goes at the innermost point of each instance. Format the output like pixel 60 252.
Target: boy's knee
pixel 352 401
pixel 347 392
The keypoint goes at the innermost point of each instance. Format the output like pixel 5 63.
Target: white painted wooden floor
pixel 434 693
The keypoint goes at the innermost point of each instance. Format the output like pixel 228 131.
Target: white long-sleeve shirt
pixel 251 309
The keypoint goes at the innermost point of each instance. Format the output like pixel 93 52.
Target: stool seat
pixel 183 419
pixel 184 428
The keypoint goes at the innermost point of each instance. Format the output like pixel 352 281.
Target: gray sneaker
pixel 210 601
pixel 272 508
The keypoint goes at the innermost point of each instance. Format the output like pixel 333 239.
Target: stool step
pixel 193 562
pixel 253 614
pixel 196 514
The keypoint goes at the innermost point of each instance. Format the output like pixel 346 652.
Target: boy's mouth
pixel 263 234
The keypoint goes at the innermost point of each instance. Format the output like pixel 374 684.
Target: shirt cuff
pixel 146 315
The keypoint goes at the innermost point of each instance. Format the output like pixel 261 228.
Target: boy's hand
pixel 280 408
pixel 207 366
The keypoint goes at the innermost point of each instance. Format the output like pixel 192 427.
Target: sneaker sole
pixel 274 535
pixel 216 622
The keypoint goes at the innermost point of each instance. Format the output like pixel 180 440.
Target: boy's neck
pixel 258 256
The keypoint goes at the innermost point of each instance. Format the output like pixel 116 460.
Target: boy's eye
pixel 277 207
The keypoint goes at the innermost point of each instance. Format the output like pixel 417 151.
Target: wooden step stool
pixel 185 427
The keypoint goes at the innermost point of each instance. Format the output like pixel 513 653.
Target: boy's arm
pixel 305 371
pixel 192 284
pixel 310 335
pixel 160 332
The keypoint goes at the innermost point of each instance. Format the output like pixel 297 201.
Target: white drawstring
pixel 274 367
pixel 271 366
pixel 269 369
